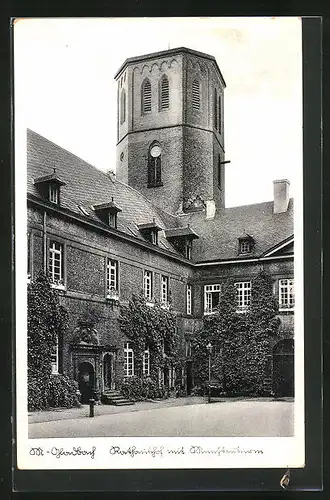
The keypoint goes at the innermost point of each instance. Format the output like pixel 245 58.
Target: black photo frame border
pixel 210 480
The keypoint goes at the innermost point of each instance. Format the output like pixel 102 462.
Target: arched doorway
pixel 108 371
pixel 283 368
pixel 86 380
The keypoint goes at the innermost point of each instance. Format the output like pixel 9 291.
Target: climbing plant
pixel 240 340
pixel 152 327
pixel 46 322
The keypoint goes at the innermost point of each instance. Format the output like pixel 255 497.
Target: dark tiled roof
pixel 218 237
pixel 87 186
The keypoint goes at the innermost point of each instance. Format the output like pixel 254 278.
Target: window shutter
pixel 146 96
pixel 164 93
pixel 195 94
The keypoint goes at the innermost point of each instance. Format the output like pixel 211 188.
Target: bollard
pixel 91 407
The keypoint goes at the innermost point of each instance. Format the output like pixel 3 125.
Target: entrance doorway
pixel 108 372
pixel 86 380
pixel 283 368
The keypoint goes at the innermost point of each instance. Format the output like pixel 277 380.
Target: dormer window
pixel 49 187
pixel 246 244
pixel 53 193
pixel 107 212
pixel 182 238
pixel 150 231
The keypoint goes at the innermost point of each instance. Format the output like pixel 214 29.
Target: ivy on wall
pixel 152 327
pixel 46 321
pixel 241 341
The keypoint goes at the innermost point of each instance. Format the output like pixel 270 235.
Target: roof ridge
pixel 57 146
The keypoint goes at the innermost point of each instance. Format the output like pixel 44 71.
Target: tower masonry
pixel 170 129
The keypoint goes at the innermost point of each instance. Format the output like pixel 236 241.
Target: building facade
pixel 158 227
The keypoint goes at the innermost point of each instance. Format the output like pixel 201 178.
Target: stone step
pixel 116 399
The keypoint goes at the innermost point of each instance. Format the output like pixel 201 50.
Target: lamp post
pixel 209 349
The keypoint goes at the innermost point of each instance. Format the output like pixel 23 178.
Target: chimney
pixel 281 196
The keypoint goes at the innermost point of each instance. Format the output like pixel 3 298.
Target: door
pixel 86 380
pixel 283 368
pixel 108 372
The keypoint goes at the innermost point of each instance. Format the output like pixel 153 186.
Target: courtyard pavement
pixel 191 416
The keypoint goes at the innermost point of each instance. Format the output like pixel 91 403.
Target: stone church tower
pixel 170 129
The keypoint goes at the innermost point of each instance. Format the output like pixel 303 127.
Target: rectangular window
pixel 164 290
pixel 243 295
pixel 245 246
pixel 112 219
pixel 188 249
pixel 286 294
pixel 146 362
pixel 189 301
pixel 53 193
pixel 112 276
pixel 128 360
pixel 55 263
pixel 147 285
pixel 211 298
pixel 54 358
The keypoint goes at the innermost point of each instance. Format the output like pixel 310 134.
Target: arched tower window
pixel 164 92
pixel 196 94
pixel 155 165
pixel 146 96
pixel 215 110
pixel 122 106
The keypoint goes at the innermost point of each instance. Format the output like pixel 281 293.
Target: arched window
pixel 215 110
pixel 122 106
pixel 196 94
pixel 155 165
pixel 219 113
pixel 164 93
pixel 146 96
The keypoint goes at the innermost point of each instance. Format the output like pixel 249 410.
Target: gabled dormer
pixel 49 187
pixel 150 231
pixel 107 212
pixel 182 238
pixel 245 244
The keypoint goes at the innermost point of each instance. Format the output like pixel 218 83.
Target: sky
pixel 65 88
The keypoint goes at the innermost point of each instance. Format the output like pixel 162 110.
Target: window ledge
pixel 149 303
pixel 286 309
pixel 57 286
pixel 113 296
pixel 209 313
pixel 242 311
pixel 165 305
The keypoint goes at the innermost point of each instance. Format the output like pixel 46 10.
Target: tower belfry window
pixel 122 106
pixel 146 96
pixel 164 93
pixel 155 166
pixel 196 94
